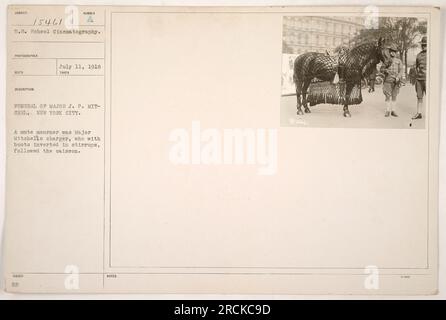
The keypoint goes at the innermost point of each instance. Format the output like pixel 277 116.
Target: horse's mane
pixel 357 56
pixel 362 48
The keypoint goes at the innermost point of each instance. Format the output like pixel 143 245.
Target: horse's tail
pixel 294 77
pixel 294 70
pixel 297 67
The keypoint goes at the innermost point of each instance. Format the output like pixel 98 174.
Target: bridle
pixel 379 49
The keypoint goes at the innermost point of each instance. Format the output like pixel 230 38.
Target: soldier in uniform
pixel 392 81
pixel 420 82
pixel 412 75
pixel 372 79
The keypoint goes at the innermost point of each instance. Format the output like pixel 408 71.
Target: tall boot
pixel 418 114
pixel 388 109
pixel 392 112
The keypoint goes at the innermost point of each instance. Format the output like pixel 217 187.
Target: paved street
pixel 368 114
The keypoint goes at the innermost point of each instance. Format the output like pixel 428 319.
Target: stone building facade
pixel 318 34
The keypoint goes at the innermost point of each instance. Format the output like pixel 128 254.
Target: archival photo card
pixel 355 72
pixel 222 150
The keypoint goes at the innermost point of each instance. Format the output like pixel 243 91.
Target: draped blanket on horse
pixel 328 92
pixel 319 70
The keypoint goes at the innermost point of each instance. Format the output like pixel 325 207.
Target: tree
pixel 404 32
pixel 407 31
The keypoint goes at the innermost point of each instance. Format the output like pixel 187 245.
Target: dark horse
pixel 321 67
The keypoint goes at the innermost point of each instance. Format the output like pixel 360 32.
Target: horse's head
pixel 383 52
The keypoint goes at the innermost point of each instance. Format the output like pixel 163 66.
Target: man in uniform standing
pixel 392 81
pixel 372 79
pixel 420 82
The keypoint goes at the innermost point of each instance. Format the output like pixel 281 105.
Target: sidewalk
pixel 368 114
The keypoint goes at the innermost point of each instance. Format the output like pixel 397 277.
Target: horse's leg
pixel 346 111
pixel 304 96
pixel 348 90
pixel 298 93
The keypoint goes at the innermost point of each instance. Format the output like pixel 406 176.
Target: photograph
pixel 347 72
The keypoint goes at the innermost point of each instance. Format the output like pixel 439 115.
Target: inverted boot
pixel 417 116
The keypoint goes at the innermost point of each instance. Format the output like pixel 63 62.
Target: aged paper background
pixel 328 180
